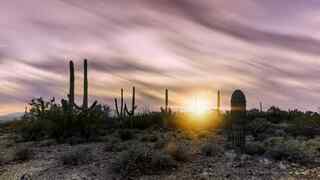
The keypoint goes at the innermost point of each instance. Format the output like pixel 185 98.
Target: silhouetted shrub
pixel 47 119
pixel 211 149
pixel 76 157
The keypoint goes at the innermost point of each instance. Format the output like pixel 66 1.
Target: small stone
pixel 282 166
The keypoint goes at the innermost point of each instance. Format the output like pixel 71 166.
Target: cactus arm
pixel 166 100
pixel 116 106
pixel 93 105
pixel 121 99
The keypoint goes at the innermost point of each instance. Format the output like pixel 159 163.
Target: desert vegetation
pixel 128 144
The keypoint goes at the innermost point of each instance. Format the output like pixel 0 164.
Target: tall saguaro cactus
pixel 218 101
pixel 119 113
pixel 133 106
pixel 238 119
pixel 85 85
pixel 71 84
pixel 71 95
pixel 166 100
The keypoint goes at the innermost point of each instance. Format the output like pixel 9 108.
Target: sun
pixel 198 106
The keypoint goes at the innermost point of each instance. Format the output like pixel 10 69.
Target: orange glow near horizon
pixel 198 105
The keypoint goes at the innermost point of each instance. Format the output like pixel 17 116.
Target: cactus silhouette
pixel 218 101
pixel 133 106
pixel 84 106
pixel 119 113
pixel 238 115
pixel 166 108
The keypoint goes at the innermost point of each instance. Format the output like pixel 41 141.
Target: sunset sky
pixel 268 48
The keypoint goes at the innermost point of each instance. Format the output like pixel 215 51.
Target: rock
pixel 230 155
pixel 25 177
pixel 282 166
pixel 204 176
pixel 265 161
pixel 245 157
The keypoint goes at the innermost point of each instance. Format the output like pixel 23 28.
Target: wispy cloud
pixel 268 48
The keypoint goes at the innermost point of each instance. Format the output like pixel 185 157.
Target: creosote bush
pixel 179 152
pixel 142 160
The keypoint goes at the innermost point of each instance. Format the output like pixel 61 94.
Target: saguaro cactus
pixel 166 108
pixel 238 115
pixel 166 100
pixel 133 106
pixel 218 101
pixel 72 103
pixel 71 84
pixel 119 113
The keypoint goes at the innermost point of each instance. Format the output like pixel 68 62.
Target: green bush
pixel 76 157
pixel 211 149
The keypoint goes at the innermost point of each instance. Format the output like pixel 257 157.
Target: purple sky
pixel 270 49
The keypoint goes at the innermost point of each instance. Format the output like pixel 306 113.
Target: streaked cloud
pixel 270 49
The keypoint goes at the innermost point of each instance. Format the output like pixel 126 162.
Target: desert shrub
pixel 307 126
pixel 23 154
pixel 178 152
pixel 211 149
pixel 47 119
pixel 76 157
pixel 254 148
pixel 162 161
pixel 133 162
pixel 258 126
pixel 126 134
pixel 288 149
pixel 142 160
pixel 312 147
